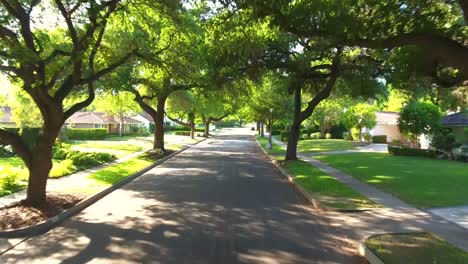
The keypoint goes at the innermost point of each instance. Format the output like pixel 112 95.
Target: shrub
pixel 444 139
pixel 182 133
pixel 367 137
pixel 328 136
pixel 61 169
pixel 183 128
pixel 5 152
pixel 399 151
pixel 305 136
pixel 316 135
pixel 284 136
pixel 380 139
pixel 86 134
pixel 8 181
pixel 275 132
pixel 307 131
pixel 355 134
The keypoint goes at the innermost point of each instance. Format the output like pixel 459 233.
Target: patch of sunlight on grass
pixel 417 248
pixel 327 189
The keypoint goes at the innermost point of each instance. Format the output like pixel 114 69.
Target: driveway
pixel 221 201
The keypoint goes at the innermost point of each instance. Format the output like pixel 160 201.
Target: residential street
pixel 220 202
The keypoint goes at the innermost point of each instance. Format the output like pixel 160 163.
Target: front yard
pixel 323 145
pixel 423 182
pixel 325 188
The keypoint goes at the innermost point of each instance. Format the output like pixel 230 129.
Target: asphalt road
pixel 220 202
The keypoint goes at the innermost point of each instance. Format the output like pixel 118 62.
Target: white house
pixel 387 124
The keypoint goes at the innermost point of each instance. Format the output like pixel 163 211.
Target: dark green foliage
pixel 182 133
pixel 28 134
pixel 275 132
pixel 418 118
pixel 444 139
pixel 307 131
pixel 86 133
pixel 5 152
pixel 399 151
pixel 380 139
pixel 183 128
pixel 337 131
pixel 284 136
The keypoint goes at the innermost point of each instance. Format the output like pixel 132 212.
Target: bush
pixel 367 137
pixel 328 136
pixel 347 136
pixel 355 134
pixel 183 128
pixel 337 131
pixel 305 136
pixel 5 152
pixel 380 139
pixel 86 134
pixel 316 135
pixel 284 136
pixel 8 181
pixel 61 169
pixel 307 131
pixel 399 151
pixel 444 139
pixel 275 132
pixel 182 133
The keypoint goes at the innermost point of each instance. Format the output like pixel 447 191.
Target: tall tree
pixel 51 63
pixel 183 108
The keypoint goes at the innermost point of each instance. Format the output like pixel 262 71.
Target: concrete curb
pixel 54 221
pixel 306 194
pixel 368 254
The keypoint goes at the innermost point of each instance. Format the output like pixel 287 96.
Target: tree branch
pixel 17 144
pixel 146 107
pixel 78 106
pixel 177 121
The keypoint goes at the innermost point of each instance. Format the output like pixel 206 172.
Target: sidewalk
pixel 397 215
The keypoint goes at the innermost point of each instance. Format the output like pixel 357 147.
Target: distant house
pixel 6 117
pixel 100 120
pixel 146 119
pixel 458 123
pixel 387 124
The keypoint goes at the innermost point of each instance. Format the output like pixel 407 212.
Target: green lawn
pixel 116 173
pixel 327 189
pixel 421 248
pixel 118 148
pixel 422 182
pixel 275 150
pixel 322 145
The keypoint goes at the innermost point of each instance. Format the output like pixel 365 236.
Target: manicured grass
pixel 116 173
pixel 118 148
pixel 322 145
pixel 421 248
pixel 327 189
pixel 422 182
pixel 275 150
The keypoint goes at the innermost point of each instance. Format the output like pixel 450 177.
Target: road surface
pixel 221 201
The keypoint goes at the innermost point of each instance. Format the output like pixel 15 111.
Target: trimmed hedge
pixel 399 151
pixel 182 133
pixel 380 139
pixel 86 133
pixel 284 136
pixel 316 135
pixel 183 128
pixel 275 132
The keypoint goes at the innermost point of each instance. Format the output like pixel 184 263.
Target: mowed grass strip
pixel 275 150
pixel 421 248
pixel 423 182
pixel 116 173
pixel 323 145
pixel 325 188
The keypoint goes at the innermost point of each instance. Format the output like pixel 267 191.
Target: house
pixel 458 123
pixel 387 124
pixel 101 120
pixel 6 117
pixel 147 120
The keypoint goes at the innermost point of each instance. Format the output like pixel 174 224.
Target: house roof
pixel 456 119
pixel 97 118
pixel 146 116
pixel 6 115
pixel 387 118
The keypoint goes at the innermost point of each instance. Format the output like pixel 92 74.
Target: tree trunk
pixel 41 164
pixel 207 128
pixel 294 132
pixel 159 124
pixel 192 130
pixel 262 129
pixel 258 126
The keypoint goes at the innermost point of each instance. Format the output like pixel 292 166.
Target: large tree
pixel 51 62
